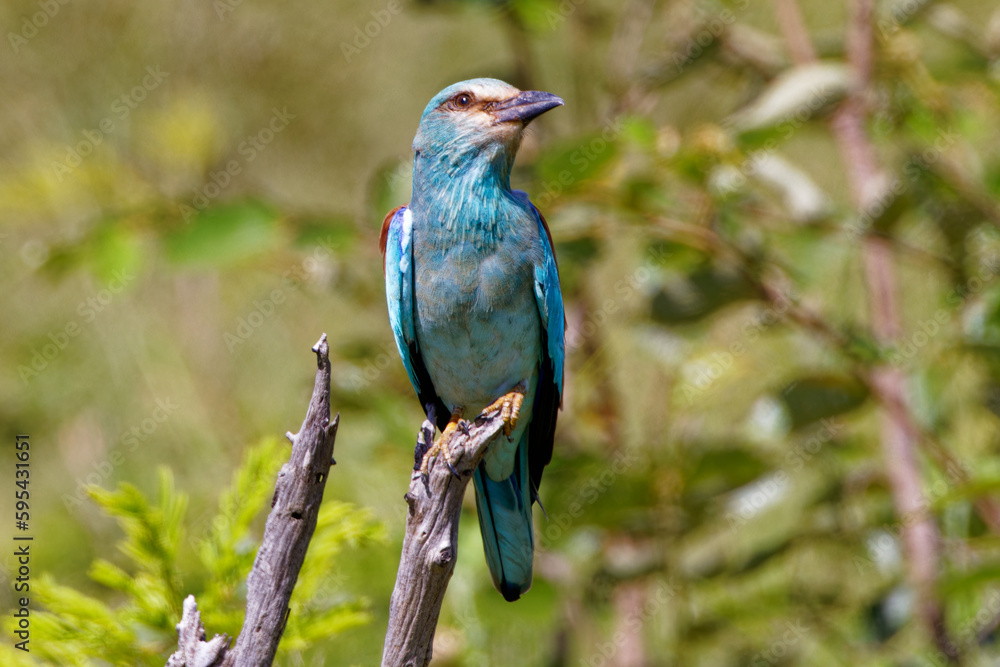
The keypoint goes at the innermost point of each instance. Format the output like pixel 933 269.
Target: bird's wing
pixel 548 395
pixel 396 244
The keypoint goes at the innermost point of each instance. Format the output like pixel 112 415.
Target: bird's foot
pixel 440 445
pixel 509 406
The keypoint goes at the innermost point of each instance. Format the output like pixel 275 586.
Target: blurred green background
pixel 191 192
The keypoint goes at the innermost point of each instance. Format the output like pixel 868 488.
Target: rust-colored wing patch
pixel 383 236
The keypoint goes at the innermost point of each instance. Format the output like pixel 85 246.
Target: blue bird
pixel 475 304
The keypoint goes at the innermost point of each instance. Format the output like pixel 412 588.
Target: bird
pixel 475 304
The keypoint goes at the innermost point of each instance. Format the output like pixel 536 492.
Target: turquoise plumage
pixel 475 304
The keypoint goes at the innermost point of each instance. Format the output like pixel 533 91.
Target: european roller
pixel 475 305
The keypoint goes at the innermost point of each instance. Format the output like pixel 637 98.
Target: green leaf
pixel 704 291
pixel 115 248
pixel 337 235
pixel 980 578
pixel 641 131
pixel 814 398
pixel 223 235
pixel 388 188
pixel 717 471
pixel 572 164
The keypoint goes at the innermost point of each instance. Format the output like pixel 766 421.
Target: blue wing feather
pixel 548 395
pixel 398 267
pixel 396 243
pixel 548 294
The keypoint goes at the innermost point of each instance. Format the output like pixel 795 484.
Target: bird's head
pixel 479 119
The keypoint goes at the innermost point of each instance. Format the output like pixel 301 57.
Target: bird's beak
pixel 524 106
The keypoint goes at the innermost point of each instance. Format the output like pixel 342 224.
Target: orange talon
pixel 509 406
pixel 440 445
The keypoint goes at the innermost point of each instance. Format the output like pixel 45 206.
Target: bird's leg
pixel 440 445
pixel 509 406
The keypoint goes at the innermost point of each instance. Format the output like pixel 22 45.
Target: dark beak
pixel 525 106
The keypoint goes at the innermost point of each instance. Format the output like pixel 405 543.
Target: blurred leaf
pixel 115 248
pixel 571 164
pixel 980 578
pixel 641 131
pixel 223 235
pixel 795 96
pixel 579 250
pixel 811 399
pixel 336 234
pixel 702 292
pixel 992 180
pixel 110 249
pixel 388 187
pixel 537 15
pixel 886 216
pixel 718 471
pixel 804 200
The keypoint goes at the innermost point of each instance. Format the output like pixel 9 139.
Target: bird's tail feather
pixel 505 521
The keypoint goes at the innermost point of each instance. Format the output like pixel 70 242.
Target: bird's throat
pixel 466 198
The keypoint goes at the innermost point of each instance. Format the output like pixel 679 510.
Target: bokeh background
pixel 776 224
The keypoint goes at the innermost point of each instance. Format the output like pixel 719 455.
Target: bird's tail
pixel 505 521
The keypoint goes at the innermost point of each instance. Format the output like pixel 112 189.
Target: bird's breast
pixel 477 323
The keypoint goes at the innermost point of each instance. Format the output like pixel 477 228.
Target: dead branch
pixel 430 545
pixel 289 528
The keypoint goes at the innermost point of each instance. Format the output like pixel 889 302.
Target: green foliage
pixel 811 399
pixel 160 551
pixel 223 234
pixel 720 493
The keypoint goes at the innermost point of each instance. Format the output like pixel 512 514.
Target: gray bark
pixel 430 545
pixel 290 525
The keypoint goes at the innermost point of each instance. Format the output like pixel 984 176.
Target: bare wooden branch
pixel 869 186
pixel 793 27
pixel 192 649
pixel 430 545
pixel 921 539
pixel 289 528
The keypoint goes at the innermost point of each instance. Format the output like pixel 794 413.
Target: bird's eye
pixel 462 100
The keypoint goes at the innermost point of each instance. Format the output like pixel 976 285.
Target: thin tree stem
pixel 921 540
